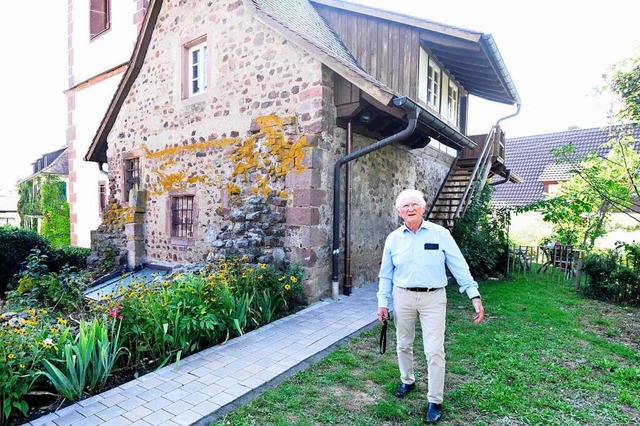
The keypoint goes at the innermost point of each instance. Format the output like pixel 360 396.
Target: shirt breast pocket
pixel 432 255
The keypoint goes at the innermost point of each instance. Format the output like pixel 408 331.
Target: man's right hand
pixel 383 314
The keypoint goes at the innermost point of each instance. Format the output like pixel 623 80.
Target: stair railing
pixel 444 182
pixel 480 169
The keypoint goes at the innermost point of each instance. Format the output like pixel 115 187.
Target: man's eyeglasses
pixel 414 206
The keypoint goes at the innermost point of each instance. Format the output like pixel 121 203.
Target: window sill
pixel 182 241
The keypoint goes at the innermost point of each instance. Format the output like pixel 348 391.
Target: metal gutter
pixel 435 123
pixel 489 46
pixel 413 111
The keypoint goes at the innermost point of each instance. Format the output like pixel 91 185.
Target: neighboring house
pixel 101 36
pixel 51 168
pixel 254 127
pixel 9 207
pixel 532 158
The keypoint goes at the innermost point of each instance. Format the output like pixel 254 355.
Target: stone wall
pixel 255 230
pixel 256 151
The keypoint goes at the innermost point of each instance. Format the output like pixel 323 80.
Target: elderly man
pixel 413 269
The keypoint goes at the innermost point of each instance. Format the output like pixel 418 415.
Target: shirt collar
pixel 424 225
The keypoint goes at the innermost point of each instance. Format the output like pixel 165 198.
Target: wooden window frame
pixel 99 17
pixel 434 85
pixel 453 103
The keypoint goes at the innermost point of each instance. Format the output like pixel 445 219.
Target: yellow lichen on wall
pixel 116 216
pixel 257 162
pixel 170 173
pixel 262 159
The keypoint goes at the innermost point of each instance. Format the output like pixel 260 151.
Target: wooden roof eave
pixel 403 19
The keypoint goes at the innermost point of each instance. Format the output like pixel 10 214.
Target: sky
pixel 556 52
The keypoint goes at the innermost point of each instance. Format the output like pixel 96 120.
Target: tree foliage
pixel 625 83
pixel 600 184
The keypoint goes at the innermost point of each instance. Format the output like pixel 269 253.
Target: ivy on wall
pixel 50 203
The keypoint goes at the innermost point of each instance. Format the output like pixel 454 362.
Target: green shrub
pixel 613 275
pixel 75 257
pixel 481 235
pixel 15 246
pixel 25 342
pixel 38 287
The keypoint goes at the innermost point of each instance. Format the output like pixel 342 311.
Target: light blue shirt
pixel 418 260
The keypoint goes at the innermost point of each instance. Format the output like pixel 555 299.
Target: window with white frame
pixel 434 77
pixel 453 99
pixel 196 73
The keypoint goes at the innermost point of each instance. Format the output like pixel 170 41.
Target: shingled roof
pixel 531 157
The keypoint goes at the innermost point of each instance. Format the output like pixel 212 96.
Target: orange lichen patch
pixel 172 151
pixel 268 153
pixel 176 181
pixel 257 163
pixel 116 216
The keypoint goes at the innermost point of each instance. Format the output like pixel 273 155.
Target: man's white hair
pixel 410 193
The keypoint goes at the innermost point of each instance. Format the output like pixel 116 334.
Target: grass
pixel 543 356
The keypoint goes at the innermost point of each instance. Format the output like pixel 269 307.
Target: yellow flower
pixel 287 287
pixel 61 320
pixel 11 356
pixel 293 279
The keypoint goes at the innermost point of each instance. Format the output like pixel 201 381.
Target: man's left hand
pixel 477 305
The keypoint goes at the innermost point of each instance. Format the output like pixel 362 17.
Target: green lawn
pixel 543 356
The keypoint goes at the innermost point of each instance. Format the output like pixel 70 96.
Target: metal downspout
pixel 518 105
pixel 413 111
pixel 346 286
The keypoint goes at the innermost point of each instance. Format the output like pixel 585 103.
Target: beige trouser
pixel 431 308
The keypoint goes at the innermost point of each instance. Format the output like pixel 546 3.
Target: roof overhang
pixel 471 57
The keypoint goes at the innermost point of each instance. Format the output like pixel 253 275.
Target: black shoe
pixel 404 389
pixel 434 412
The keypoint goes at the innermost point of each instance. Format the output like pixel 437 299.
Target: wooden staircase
pixel 467 176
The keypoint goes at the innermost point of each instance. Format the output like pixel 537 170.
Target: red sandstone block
pixel 309 197
pixel 314 92
pixel 309 178
pixel 303 216
pixel 314 127
pixel 312 236
pixel 304 256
